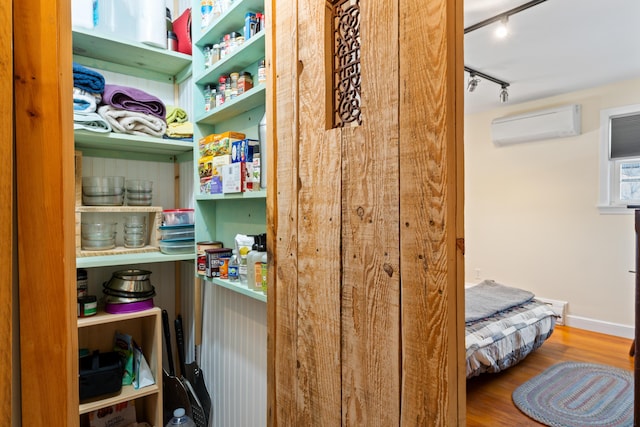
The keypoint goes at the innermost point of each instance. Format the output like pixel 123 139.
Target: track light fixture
pixel 504 95
pixel 502 30
pixel 473 82
pixel 474 79
pixel 503 16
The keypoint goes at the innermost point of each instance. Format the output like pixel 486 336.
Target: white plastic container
pixel 152 23
pixel 84 13
pixel 119 18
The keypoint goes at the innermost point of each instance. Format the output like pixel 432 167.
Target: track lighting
pixel 502 30
pixel 474 79
pixel 504 94
pixel 473 82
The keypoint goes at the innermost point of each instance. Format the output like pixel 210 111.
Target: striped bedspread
pixel 504 339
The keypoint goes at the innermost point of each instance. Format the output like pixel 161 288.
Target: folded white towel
pixel 84 103
pixel 132 122
pixel 90 121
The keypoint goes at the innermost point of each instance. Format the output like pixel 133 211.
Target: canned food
pixel 201 260
pixel 81 282
pixel 214 259
pixel 87 306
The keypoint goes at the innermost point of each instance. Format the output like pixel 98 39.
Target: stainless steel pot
pixel 130 281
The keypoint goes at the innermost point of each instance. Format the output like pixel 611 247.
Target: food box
pixel 119 415
pixel 234 178
pixel 205 167
pixel 243 151
pixel 218 144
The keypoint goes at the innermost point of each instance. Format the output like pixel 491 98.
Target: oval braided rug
pixel 571 394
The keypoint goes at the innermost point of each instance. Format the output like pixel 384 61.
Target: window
pixel 619 159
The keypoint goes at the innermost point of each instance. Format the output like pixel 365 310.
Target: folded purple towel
pixel 132 99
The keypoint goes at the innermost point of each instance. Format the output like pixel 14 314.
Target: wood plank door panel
pixel 363 317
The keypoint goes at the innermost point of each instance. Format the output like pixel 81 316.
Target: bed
pixel 503 325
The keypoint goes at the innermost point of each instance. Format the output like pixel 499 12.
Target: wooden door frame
pixel 9 385
pixel 44 161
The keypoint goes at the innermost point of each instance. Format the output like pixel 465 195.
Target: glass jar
pixel 262 73
pixel 209 94
pixel 233 85
pixel 220 93
pixel 245 82
pixel 207 52
pixel 215 53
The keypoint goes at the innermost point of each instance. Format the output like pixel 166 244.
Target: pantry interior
pixel 224 322
pixel 39 42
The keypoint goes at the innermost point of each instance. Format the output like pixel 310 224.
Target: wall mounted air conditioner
pixel 558 122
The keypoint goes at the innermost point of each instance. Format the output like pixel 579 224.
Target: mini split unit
pixel 558 122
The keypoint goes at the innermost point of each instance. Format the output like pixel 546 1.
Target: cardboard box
pixel 243 151
pixel 120 415
pixel 204 150
pixel 205 167
pixel 218 144
pixel 215 186
pixel 205 185
pixel 217 163
pixel 222 142
pixel 234 178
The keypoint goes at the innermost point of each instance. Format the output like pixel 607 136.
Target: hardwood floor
pixel 489 401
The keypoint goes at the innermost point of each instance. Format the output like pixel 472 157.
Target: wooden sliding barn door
pixel 365 213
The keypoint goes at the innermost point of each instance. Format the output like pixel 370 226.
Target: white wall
pixel 531 218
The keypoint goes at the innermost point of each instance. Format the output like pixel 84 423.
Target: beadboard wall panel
pixel 234 357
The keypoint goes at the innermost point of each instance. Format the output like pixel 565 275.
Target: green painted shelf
pixel 106 52
pixel 253 98
pixel 120 145
pixel 237 287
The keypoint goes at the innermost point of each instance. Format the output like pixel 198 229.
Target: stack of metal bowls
pixel 128 291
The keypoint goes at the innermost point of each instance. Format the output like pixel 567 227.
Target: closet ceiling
pixel 555 47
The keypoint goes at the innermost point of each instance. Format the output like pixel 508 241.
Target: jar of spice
pixel 245 82
pixel 220 93
pixel 207 52
pixel 234 85
pixel 215 53
pixel 262 73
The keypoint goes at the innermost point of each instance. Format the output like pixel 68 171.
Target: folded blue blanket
pixel 87 79
pixel 133 99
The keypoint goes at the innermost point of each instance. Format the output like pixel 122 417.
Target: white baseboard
pixel 609 328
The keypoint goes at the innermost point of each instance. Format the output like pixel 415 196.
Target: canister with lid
pixel 82 282
pixel 87 305
pixel 245 82
pixel 201 260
